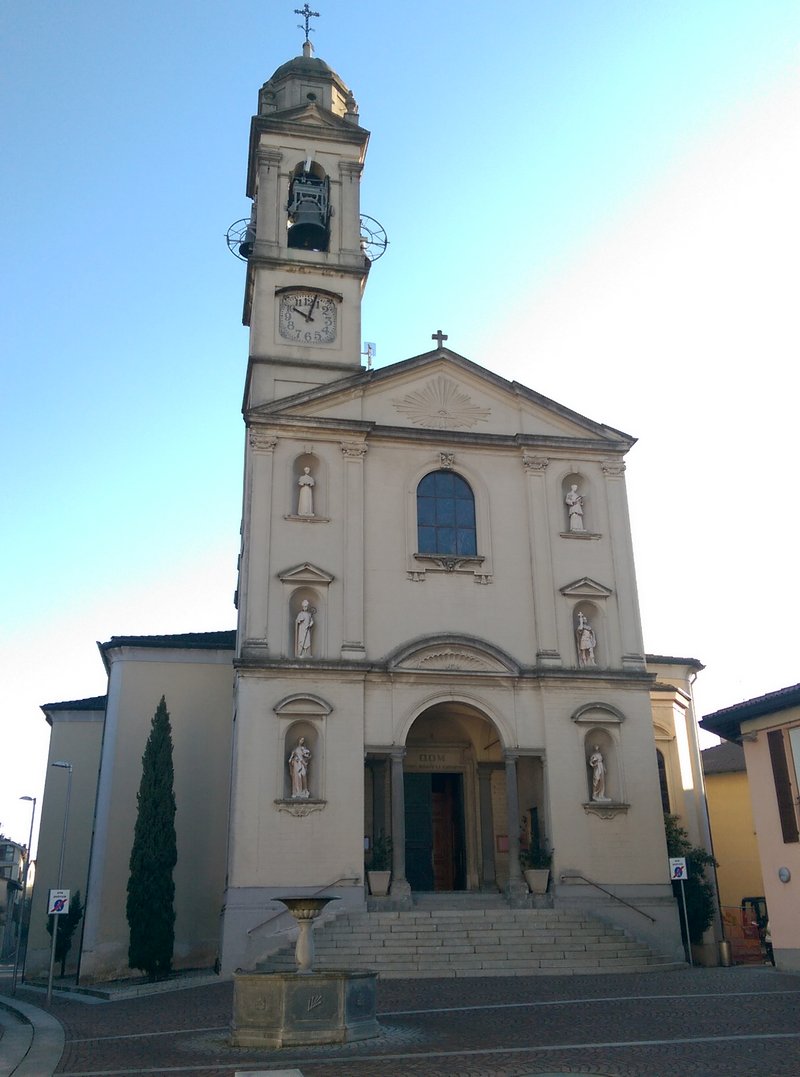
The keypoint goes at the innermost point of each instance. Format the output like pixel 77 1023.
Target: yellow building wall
pixel 734 835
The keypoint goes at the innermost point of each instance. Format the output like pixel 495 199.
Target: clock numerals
pixel 307 318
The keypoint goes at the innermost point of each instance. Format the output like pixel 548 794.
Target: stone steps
pixel 490 941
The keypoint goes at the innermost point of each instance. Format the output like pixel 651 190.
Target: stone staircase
pixel 481 937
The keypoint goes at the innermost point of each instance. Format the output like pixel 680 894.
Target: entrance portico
pixel 454 801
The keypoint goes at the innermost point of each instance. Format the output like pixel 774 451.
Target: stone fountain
pixel 290 1009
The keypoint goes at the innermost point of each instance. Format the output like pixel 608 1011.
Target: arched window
pixel 662 781
pixel 446 515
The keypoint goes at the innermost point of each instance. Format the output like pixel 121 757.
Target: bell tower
pixel 306 268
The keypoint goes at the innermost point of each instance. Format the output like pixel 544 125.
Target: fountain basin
pixel 290 1009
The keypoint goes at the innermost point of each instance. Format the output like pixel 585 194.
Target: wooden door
pixel 443 838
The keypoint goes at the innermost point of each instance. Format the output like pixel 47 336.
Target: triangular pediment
pixel 586 588
pixel 305 573
pixel 441 392
pixel 311 115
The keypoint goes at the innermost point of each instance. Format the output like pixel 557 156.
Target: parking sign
pixel 58 903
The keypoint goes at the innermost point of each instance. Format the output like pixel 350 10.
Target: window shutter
pixel 783 786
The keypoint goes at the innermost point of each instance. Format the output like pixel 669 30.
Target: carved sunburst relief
pixel 441 404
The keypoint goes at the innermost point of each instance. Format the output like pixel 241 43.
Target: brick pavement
pixel 740 1022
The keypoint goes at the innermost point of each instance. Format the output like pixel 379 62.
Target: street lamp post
pixel 21 924
pixel 68 768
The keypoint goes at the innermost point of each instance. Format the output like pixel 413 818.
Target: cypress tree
pixel 151 889
pixel 699 892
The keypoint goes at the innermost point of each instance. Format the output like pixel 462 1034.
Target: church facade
pixel 438 636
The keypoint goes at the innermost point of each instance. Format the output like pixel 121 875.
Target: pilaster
pixel 541 554
pixel 255 581
pixel 624 568
pixel 268 203
pixel 353 454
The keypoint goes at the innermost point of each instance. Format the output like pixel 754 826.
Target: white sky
pixel 625 175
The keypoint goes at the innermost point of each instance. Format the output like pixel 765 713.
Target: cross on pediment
pixel 439 337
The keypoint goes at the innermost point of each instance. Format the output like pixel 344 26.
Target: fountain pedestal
pixel 289 1009
pixel 284 1009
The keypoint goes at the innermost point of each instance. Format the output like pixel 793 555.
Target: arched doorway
pixel 452 752
pixel 456 804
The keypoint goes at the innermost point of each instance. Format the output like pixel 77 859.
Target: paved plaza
pixel 739 1022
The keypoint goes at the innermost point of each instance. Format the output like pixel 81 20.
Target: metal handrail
pixel 577 875
pixel 316 893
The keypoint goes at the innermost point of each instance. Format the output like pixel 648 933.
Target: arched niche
pixel 315 494
pixel 313 741
pixel 578 511
pixel 603 778
pixel 305 638
pixel 589 645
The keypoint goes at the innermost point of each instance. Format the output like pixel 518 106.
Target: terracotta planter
pixel 537 879
pixel 379 882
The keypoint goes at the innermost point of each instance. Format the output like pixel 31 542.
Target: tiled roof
pixel 669 660
pixel 93 703
pixel 208 641
pixel 723 758
pixel 727 722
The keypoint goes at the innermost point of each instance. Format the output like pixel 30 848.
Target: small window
pixel 446 515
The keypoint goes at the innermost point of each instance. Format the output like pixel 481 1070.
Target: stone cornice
pixel 317 667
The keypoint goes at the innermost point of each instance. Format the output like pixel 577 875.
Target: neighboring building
pixel 437 621
pixel 12 867
pixel 768 728
pixel 12 859
pixel 732 827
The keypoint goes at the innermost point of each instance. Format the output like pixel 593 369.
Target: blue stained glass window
pixel 446 515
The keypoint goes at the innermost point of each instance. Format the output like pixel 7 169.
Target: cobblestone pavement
pixel 740 1022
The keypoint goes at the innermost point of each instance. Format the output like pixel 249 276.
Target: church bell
pixel 248 239
pixel 309 213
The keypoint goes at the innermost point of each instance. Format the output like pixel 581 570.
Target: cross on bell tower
pixel 307 14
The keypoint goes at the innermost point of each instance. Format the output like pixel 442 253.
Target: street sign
pixel 58 903
pixel 677 868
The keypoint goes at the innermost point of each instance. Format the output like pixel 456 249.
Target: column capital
pixel 613 467
pixel 397 754
pixel 353 169
pixel 268 157
pixel 260 440
pixel 533 463
pixel 353 450
pixel 510 755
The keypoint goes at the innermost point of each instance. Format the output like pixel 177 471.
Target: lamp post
pixel 68 768
pixel 21 925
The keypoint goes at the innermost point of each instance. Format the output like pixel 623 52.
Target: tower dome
pixel 306 80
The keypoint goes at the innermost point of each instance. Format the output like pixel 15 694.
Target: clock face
pixel 307 317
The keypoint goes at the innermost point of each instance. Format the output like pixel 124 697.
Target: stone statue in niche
pixel 305 499
pixel 587 641
pixel 303 624
pixel 574 502
pixel 597 763
pixel 299 759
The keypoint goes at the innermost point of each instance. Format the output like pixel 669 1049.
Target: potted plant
pixel 379 871
pixel 535 864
